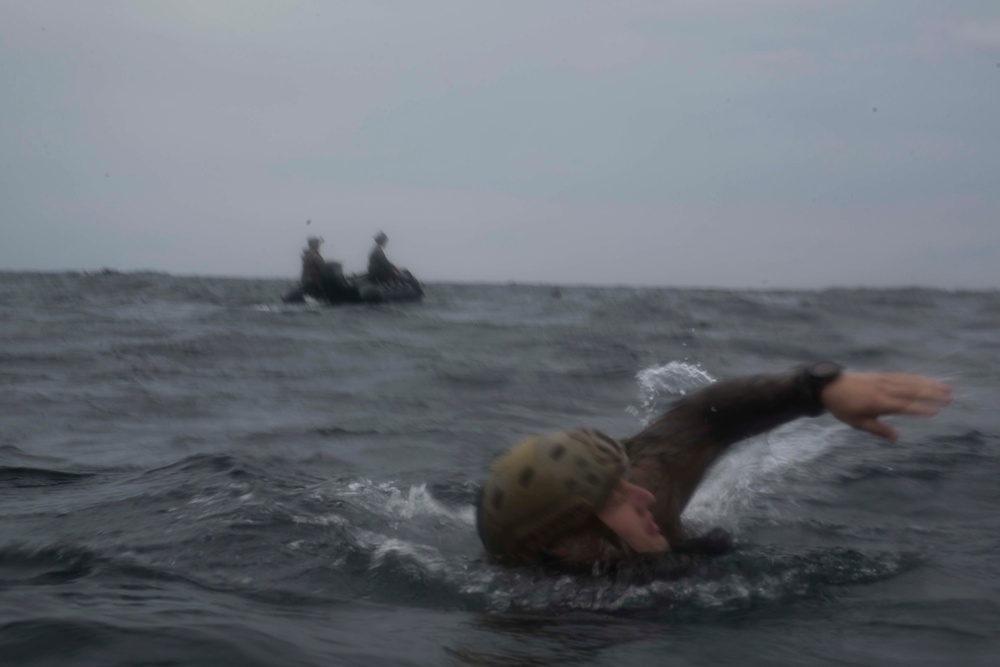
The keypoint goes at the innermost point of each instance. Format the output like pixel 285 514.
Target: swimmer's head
pixel 542 498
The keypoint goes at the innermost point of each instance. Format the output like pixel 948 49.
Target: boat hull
pixel 339 289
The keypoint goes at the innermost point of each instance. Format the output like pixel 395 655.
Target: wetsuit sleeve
pixel 671 456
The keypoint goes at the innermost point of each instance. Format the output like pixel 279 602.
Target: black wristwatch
pixel 814 379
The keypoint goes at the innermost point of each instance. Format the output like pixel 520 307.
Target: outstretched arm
pixel 671 456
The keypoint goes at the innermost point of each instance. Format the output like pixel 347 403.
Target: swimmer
pixel 579 498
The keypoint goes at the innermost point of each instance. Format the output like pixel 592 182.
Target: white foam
pixel 675 378
pixel 390 502
pixel 425 556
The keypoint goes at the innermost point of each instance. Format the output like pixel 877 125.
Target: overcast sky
pixel 729 143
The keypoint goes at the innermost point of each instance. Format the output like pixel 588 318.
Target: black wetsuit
pixel 671 456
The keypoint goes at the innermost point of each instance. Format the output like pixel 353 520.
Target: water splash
pixel 419 502
pixel 388 501
pixel 428 559
pixel 735 583
pixel 759 468
pixel 675 378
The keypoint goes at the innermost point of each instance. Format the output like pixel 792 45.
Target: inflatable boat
pixel 357 288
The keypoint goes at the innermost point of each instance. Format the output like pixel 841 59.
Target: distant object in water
pixel 358 288
pixel 556 293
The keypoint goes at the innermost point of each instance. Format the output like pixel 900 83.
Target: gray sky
pixel 731 143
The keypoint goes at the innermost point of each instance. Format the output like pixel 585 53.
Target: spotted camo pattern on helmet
pixel 545 487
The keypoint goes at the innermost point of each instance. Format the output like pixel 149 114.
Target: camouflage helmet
pixel 544 488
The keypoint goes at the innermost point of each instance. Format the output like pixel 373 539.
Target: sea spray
pixel 664 382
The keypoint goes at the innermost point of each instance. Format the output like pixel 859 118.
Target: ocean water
pixel 192 473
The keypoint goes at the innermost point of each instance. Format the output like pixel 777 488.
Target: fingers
pixel 860 399
pixel 916 388
pixel 908 406
pixel 909 395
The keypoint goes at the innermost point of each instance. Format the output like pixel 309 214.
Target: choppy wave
pixel 194 473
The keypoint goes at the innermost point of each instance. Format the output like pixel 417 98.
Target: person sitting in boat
pixel 579 499
pixel 380 269
pixel 312 268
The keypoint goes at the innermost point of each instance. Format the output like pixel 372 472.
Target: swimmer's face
pixel 626 512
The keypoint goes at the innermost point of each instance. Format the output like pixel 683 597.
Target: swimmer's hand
pixel 859 399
